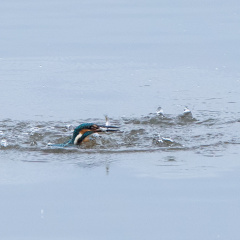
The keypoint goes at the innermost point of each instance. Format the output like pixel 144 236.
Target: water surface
pixel 172 176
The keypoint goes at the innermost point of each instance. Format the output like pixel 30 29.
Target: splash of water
pixel 4 143
pixel 159 111
pixel 153 132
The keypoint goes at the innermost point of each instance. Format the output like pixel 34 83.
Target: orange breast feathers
pixel 86 139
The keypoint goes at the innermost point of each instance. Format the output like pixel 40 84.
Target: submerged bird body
pixel 83 131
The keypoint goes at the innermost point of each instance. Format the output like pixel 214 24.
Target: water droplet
pixel 186 110
pixel 167 140
pixel 159 111
pixel 163 141
pixel 107 120
pixel 187 114
pixel 70 127
pixel 4 143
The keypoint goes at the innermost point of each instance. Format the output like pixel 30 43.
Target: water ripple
pixel 203 134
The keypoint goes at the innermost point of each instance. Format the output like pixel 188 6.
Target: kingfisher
pixel 83 131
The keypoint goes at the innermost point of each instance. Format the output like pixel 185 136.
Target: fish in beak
pixel 83 131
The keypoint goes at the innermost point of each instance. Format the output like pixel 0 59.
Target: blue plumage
pixel 83 131
pixel 79 128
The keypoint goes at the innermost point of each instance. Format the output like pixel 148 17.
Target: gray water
pixel 172 176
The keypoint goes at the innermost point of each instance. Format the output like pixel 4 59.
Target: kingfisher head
pixel 86 129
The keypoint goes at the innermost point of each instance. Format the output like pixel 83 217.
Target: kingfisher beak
pixel 104 128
